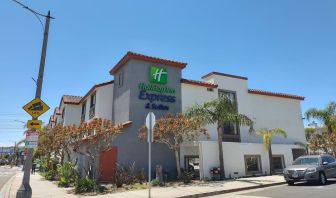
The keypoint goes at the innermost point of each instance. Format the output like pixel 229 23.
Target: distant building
pixel 7 150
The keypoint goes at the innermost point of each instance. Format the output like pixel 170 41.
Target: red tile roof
pixel 52 119
pixel 94 87
pixel 276 94
pixel 69 99
pixel 133 55
pixel 226 75
pixel 57 111
pixel 198 83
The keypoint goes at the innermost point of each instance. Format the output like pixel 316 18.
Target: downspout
pixel 201 160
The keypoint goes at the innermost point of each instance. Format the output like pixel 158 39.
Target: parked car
pixel 311 168
pixel 3 161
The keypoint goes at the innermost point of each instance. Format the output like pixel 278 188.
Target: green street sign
pixel 29 144
pixel 158 75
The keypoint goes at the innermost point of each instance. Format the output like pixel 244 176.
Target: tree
pixel 173 130
pixel 327 116
pixel 267 141
pixel 309 132
pixel 98 135
pixel 220 111
pixel 323 141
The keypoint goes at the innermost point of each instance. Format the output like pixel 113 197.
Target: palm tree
pixel 327 116
pixel 267 141
pixel 220 111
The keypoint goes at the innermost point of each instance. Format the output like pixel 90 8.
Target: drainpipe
pixel 201 159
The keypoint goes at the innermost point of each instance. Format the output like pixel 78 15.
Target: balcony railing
pixel 92 112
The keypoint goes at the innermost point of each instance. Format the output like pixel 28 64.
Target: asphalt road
pixel 6 173
pixel 299 190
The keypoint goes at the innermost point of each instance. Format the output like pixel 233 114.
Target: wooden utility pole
pixel 25 190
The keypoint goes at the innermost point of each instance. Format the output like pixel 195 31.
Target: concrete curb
pixel 6 189
pixel 231 190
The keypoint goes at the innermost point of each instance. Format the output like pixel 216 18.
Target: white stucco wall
pixel 193 94
pixel 234 156
pixel 275 112
pixel 265 111
pixel 72 114
pixel 104 101
pixel 239 86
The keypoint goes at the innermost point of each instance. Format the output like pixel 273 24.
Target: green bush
pixel 44 166
pixel 50 175
pixel 187 177
pixel 66 174
pixel 85 185
pixel 155 182
pixel 47 164
pixel 124 175
pixel 141 178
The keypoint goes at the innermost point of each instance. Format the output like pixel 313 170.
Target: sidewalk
pixel 43 188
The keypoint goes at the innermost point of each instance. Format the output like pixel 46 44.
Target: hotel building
pixel 144 83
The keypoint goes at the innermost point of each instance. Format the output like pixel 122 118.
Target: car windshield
pixel 306 161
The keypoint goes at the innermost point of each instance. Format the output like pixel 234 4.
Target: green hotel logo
pixel 158 75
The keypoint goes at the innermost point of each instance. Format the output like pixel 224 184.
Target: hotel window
pixel 252 164
pixel 63 112
pixel 83 111
pixel 278 163
pixel 229 128
pixel 92 105
pixel 120 79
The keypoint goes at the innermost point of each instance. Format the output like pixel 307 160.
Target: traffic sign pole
pixel 25 190
pixel 150 122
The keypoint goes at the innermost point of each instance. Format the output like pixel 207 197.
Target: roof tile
pixel 198 83
pixel 69 99
pixel 133 55
pixel 276 94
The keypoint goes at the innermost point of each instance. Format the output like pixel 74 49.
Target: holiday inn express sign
pixel 157 75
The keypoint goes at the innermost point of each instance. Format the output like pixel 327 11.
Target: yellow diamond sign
pixel 36 107
pixel 34 124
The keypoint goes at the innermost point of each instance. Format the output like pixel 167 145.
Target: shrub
pixel 155 182
pixel 187 177
pixel 45 164
pixel 141 178
pixel 85 185
pixel 50 175
pixel 66 174
pixel 124 175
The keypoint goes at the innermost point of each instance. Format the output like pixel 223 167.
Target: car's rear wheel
pixel 290 183
pixel 322 178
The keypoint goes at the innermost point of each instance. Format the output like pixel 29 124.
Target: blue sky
pixel 285 46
